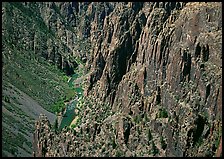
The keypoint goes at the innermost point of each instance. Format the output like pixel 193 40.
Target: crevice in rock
pixel 98 130
pixel 130 112
pixel 187 65
pixel 208 89
pixel 202 66
pixel 123 53
pixel 109 37
pixel 67 69
pixel 113 95
pixel 158 95
pixel 197 51
pixel 95 131
pixel 137 6
pixel 200 123
pixel 142 19
pixel 205 53
pixel 133 57
pixel 127 128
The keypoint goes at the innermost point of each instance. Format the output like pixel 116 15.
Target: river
pixel 69 114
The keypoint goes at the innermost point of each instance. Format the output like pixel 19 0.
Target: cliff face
pixel 31 81
pixel 154 78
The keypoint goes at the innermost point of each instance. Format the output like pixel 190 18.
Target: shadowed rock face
pixel 154 83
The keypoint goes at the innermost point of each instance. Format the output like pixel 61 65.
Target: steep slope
pixel 35 73
pixel 153 85
pixel 19 112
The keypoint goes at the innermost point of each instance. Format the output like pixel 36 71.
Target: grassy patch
pixel 10 141
pixel 39 80
pixel 23 65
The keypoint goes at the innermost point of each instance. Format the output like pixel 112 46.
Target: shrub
pixel 73 126
pixel 163 143
pixel 163 113
pixel 114 144
pixel 7 99
pixel 118 153
pixel 58 106
pixel 155 150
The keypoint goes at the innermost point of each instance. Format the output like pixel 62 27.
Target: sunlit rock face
pixel 153 85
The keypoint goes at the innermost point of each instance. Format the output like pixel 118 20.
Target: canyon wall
pixel 154 77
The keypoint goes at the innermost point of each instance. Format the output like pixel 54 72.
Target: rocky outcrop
pixel 154 86
pixel 49 31
pixel 166 64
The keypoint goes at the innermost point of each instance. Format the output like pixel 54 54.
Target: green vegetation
pixel 177 97
pixel 28 66
pixel 78 122
pixel 149 135
pixel 146 119
pixel 39 80
pixel 162 113
pixel 59 106
pixel 163 143
pixel 137 119
pixel 24 66
pixel 70 83
pixel 11 141
pixel 154 150
pixel 7 99
pixel 114 143
pixel 104 112
pixel 119 153
pixel 79 61
pixel 31 15
pixel 217 135
pixel 73 126
pixel 11 121
pixel 14 109
pixel 79 90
